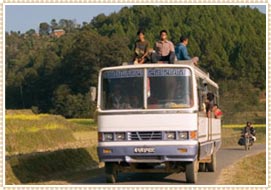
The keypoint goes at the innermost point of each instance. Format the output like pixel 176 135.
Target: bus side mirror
pixel 93 92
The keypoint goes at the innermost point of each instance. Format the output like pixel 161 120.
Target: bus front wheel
pixel 191 172
pixel 111 172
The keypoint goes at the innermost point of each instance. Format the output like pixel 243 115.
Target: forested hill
pixel 54 74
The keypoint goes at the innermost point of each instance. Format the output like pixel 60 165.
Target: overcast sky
pixel 25 17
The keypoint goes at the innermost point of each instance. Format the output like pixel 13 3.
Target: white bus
pixel 153 118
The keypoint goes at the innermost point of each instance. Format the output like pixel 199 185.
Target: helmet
pixel 249 123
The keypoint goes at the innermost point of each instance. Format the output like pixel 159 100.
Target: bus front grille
pixel 145 136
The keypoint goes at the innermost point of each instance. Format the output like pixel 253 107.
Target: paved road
pixel 225 157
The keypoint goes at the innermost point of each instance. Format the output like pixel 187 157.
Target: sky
pixel 25 17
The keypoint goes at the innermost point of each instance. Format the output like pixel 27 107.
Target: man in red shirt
pixel 217 112
pixel 164 49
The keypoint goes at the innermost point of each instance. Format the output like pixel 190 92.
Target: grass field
pixel 248 171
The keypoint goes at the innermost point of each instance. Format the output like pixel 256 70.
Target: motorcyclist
pixel 249 128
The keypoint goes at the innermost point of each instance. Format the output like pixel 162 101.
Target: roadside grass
pixel 248 171
pixel 41 147
pixel 232 133
pixel 46 166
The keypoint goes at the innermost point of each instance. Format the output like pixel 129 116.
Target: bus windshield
pixel 169 88
pixel 165 88
pixel 122 89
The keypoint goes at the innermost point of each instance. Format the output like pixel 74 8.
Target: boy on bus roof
pixel 141 49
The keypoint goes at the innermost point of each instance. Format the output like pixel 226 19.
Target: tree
pixel 44 28
pixel 54 24
pixel 31 32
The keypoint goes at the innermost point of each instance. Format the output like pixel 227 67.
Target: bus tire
pixel 111 172
pixel 202 167
pixel 211 167
pixel 191 172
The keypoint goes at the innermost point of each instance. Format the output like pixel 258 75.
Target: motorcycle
pixel 246 140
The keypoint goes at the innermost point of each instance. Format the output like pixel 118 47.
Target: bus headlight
pixel 120 136
pixel 108 136
pixel 170 135
pixel 183 135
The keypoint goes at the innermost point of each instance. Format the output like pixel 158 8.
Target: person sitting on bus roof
pixel 217 112
pixel 141 49
pixel 181 50
pixel 164 49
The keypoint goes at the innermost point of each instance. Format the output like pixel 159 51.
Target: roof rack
pixel 186 62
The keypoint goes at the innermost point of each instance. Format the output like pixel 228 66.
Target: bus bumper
pixel 150 154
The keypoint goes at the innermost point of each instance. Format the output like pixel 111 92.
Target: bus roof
pixel 198 71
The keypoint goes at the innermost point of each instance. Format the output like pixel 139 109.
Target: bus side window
pixel 201 95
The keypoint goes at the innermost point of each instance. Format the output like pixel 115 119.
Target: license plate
pixel 144 150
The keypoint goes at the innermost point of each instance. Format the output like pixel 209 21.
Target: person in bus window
pixel 141 49
pixel 134 102
pixel 181 50
pixel 217 112
pixel 116 99
pixel 164 49
pixel 209 103
pixel 126 103
pixel 179 94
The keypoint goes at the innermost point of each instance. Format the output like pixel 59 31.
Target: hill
pixel 53 74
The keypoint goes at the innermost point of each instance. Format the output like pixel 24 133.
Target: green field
pixel 43 147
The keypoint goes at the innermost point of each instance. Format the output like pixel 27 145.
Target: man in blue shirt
pixel 181 50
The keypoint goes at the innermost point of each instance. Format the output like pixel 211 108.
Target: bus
pixel 157 118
